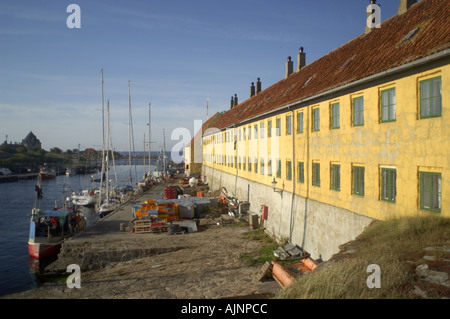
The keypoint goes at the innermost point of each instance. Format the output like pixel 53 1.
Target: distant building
pixel 31 141
pixel 88 151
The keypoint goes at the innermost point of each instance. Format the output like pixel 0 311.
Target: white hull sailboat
pixel 86 197
pixel 108 205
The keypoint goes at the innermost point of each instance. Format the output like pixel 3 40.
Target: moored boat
pixel 48 229
pixel 69 172
pixel 106 208
pixel 46 173
pixel 86 197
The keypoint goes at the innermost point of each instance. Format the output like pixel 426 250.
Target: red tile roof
pixel 368 54
pixel 208 124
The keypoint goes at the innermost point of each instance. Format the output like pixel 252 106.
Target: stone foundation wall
pixel 316 227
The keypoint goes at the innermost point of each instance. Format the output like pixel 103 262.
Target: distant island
pixel 28 156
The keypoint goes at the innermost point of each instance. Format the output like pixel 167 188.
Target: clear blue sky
pixel 174 53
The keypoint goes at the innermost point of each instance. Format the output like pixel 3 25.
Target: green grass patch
pixel 395 245
pixel 265 253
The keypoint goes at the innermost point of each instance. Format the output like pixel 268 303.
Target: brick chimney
pixel 289 67
pixel 258 86
pixel 252 89
pixel 235 100
pixel 301 59
pixel 231 103
pixel 405 5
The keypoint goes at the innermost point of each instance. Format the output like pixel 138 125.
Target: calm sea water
pixel 19 271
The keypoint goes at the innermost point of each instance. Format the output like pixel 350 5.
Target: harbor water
pixel 19 271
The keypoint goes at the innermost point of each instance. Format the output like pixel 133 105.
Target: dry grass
pixel 396 245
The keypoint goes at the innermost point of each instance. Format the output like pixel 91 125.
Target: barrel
pixel 283 277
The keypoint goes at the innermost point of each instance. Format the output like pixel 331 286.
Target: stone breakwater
pixel 118 264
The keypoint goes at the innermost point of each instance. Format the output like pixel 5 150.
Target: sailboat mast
pixel 103 145
pixel 164 152
pixel 149 140
pixel 107 154
pixel 144 153
pixel 129 131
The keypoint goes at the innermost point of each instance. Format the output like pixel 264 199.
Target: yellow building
pixel 193 150
pixel 362 133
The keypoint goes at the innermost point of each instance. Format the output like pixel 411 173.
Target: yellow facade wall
pixel 409 145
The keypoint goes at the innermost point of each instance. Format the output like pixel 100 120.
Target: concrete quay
pixel 120 264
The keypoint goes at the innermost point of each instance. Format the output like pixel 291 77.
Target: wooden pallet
pixel 142 222
pixel 262 272
pixel 142 229
pixel 143 226
pixel 159 229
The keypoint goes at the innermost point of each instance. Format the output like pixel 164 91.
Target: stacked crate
pixel 148 209
pixel 168 211
pixel 170 192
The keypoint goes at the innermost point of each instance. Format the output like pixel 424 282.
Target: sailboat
pixel 161 163
pixel 108 205
pixel 86 197
pixel 131 139
pixel 147 180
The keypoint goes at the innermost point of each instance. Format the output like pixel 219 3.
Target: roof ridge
pixel 363 56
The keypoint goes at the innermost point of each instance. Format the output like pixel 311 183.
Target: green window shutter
pixel 288 125
pixel 336 177
pixel 358 180
pixel 316 119
pixel 300 122
pixel 430 191
pixel 388 184
pixel 269 167
pixel 335 116
pixel 358 111
pixel 431 98
pixel 278 168
pixel 278 127
pixel 301 172
pixel 316 174
pixel 289 170
pixel 269 129
pixel 388 105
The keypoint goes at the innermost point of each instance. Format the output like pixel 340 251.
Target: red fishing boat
pixel 46 173
pixel 48 229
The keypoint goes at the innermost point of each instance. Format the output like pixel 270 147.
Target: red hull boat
pixel 41 250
